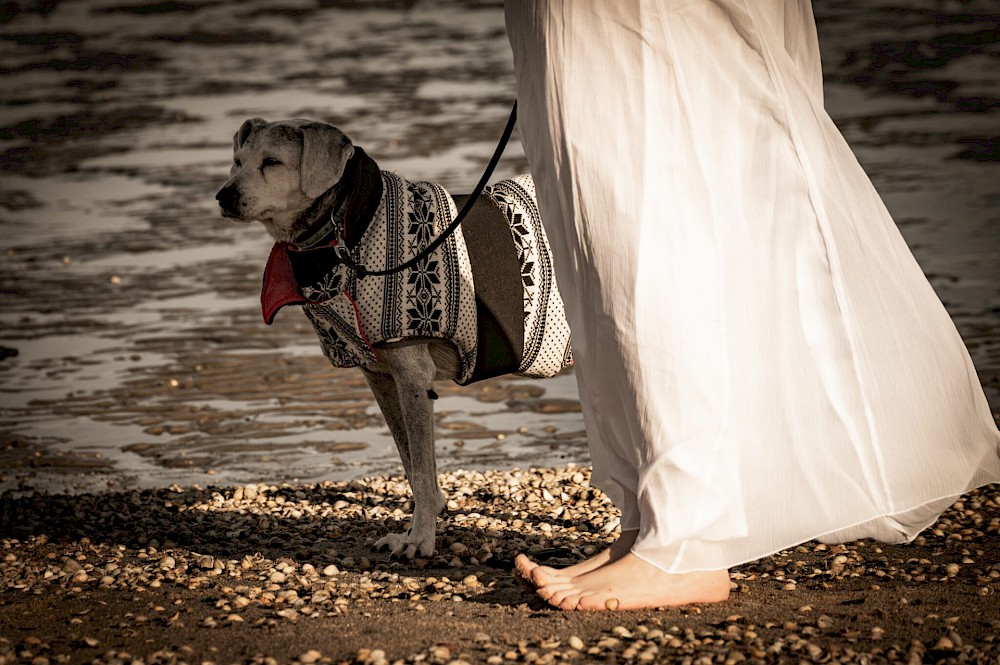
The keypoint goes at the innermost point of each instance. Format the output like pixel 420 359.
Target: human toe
pixel 558 587
pixel 544 575
pixel 524 566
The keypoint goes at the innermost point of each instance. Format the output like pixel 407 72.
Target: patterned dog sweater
pixel 489 289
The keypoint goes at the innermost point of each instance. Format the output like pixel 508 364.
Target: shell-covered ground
pixel 261 574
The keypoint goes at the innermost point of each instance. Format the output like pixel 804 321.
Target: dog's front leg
pixel 383 386
pixel 413 372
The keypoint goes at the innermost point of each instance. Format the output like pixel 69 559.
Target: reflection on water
pixel 142 358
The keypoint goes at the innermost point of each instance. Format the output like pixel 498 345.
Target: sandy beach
pixel 181 483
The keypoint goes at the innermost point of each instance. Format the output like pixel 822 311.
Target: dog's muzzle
pixel 229 200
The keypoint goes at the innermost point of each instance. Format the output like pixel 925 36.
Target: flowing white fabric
pixel 760 359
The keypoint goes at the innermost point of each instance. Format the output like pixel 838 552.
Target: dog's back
pixel 489 289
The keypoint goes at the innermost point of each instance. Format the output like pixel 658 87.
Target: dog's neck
pixel 348 206
pixel 307 228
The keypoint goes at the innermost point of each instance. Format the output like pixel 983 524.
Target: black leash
pixel 363 272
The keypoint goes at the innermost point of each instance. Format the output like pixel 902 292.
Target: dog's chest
pixel 489 289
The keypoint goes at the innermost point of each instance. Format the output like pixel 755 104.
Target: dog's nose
pixel 228 198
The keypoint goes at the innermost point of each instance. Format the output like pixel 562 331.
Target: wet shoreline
pixel 132 306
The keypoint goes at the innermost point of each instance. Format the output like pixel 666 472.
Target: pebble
pixel 441 652
pixel 945 643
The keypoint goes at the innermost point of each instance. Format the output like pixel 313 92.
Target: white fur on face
pixel 280 168
pixel 265 172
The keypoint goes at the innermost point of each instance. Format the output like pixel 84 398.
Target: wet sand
pixel 134 357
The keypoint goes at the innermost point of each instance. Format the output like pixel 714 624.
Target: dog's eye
pixel 236 162
pixel 270 161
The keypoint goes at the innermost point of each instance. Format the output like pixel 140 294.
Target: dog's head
pixel 279 169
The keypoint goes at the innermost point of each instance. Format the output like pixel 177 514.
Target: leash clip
pixel 341 250
pixel 344 254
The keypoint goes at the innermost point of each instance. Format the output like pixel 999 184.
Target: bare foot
pixel 529 571
pixel 631 583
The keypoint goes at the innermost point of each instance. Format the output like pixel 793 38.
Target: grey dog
pixel 482 305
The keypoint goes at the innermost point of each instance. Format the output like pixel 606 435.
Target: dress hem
pixel 771 551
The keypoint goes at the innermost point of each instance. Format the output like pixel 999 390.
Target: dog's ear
pixel 245 130
pixel 325 153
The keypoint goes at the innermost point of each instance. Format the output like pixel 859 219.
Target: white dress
pixel 760 359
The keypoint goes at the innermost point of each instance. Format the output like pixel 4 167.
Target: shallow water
pixel 142 358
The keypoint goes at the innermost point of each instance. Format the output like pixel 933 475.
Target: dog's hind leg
pixel 413 372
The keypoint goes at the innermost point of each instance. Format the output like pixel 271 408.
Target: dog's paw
pixel 406 545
